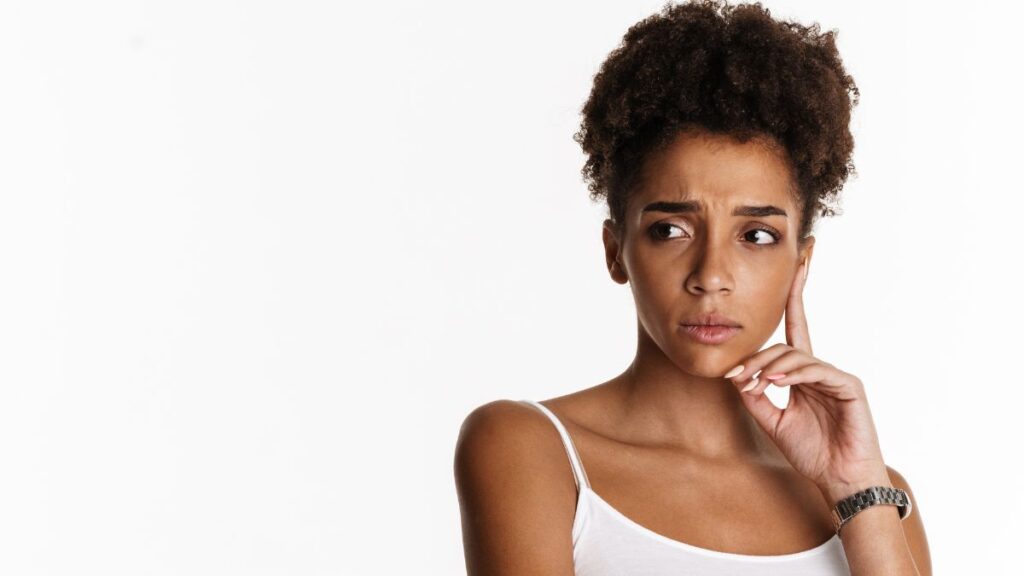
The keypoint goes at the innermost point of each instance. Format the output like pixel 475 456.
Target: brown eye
pixel 772 234
pixel 657 231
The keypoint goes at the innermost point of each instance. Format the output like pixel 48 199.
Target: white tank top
pixel 607 543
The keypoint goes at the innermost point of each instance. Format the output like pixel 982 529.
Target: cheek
pixel 656 296
pixel 769 297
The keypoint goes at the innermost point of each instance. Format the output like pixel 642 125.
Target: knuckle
pixel 793 353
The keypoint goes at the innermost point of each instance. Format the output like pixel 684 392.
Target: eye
pixel 775 236
pixel 662 231
pixel 655 230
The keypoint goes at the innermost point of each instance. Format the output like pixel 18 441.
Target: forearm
pixel 873 539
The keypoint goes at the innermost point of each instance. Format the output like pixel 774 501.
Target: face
pixel 713 228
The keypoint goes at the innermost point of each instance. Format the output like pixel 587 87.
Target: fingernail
pixel 734 371
pixel 775 376
pixel 750 386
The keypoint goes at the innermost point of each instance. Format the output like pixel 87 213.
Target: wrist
pixel 836 490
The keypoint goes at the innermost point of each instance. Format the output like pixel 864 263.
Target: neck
pixel 703 415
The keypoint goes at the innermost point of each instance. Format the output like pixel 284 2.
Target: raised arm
pixel 516 493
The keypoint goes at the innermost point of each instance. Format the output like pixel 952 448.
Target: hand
pixel 826 431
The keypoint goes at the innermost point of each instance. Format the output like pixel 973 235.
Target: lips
pixel 711 319
pixel 711 334
pixel 710 327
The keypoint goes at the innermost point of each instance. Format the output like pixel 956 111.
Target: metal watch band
pixel 848 507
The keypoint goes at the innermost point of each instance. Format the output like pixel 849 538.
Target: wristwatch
pixel 848 507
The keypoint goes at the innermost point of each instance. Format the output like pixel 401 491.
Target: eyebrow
pixel 695 206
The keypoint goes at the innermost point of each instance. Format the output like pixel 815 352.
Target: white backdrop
pixel 260 259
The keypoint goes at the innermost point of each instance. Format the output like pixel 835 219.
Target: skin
pixel 670 442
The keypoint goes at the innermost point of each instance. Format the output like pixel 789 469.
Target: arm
pixel 827 433
pixel 516 493
pixel 876 541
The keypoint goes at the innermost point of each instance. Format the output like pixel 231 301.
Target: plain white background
pixel 260 259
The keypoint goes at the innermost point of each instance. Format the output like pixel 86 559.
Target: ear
pixel 807 251
pixel 613 253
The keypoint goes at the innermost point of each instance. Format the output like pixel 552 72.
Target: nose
pixel 710 270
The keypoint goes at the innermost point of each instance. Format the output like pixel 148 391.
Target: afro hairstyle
pixel 725 69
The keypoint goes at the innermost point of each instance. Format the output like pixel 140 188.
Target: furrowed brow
pixel 688 206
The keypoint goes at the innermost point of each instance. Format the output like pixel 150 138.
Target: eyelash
pixel 771 231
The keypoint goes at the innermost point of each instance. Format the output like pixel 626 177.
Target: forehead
pixel 718 171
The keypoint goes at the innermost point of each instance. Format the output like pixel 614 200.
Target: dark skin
pixel 670 442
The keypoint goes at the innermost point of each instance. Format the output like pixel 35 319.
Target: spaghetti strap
pixel 579 474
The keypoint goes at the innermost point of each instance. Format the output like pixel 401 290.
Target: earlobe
pixel 622 271
pixel 617 270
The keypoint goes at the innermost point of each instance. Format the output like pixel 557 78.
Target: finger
pixel 822 377
pixel 780 367
pixel 797 334
pixel 755 361
pixel 764 412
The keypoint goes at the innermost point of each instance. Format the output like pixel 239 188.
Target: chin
pixel 707 363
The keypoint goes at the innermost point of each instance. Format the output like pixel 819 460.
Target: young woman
pixel 715 134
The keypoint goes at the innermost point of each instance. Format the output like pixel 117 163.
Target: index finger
pixel 797 334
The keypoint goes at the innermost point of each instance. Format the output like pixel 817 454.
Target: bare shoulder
pixel 517 496
pixel 913 526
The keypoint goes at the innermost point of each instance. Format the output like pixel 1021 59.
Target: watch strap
pixel 848 507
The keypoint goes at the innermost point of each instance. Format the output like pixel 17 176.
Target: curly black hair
pixel 724 69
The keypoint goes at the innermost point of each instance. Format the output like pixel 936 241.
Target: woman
pixel 715 134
